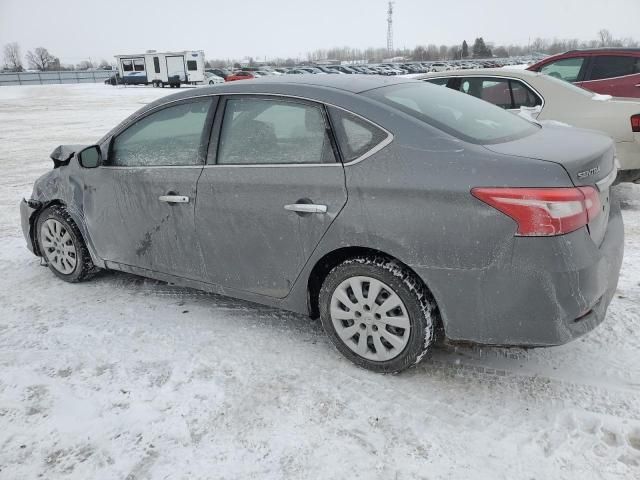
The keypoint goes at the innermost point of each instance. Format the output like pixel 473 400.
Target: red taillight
pixel 544 211
pixel 635 123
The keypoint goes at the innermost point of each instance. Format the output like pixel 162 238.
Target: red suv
pixel 611 71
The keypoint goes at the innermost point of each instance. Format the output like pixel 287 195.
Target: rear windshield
pixel 456 113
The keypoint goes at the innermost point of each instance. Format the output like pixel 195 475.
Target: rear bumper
pixel 27 210
pixel 554 290
pixel 628 154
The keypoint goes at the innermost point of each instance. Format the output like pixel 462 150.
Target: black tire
pixel 418 302
pixel 84 267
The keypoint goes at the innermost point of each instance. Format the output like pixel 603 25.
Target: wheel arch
pixel 334 258
pixel 78 220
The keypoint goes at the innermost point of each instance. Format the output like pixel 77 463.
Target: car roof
pixel 349 83
pixel 603 49
pixel 310 84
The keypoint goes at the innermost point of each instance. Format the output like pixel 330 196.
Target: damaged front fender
pixel 28 215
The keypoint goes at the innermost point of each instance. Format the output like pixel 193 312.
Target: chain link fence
pixel 42 78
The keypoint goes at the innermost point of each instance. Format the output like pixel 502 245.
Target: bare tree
pixel 85 65
pixel 40 59
pixel 12 56
pixel 606 39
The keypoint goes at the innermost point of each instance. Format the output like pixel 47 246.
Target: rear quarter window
pixel 355 135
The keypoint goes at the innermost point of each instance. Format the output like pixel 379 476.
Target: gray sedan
pixel 389 208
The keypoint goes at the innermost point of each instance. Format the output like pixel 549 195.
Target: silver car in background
pixel 389 208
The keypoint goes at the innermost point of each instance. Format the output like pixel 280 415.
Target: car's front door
pixel 268 193
pixel 140 204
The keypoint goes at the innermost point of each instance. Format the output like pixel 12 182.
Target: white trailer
pixel 160 69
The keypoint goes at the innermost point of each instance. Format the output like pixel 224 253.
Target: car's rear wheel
pixel 377 313
pixel 62 246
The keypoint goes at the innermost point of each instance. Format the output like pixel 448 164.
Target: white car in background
pixel 543 98
pixel 212 79
pixel 440 67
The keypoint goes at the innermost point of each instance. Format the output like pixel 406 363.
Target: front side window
pixel 462 116
pixel 265 131
pixel 566 69
pixel 192 65
pixel 171 136
pixel 138 65
pixel 355 135
pixel 609 66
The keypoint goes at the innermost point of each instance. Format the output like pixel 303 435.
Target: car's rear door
pixel 616 75
pixel 140 204
pixel 272 186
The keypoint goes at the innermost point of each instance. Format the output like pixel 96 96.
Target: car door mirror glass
pixel 90 157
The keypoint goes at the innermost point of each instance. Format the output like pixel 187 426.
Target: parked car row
pixel 419 209
pixel 387 69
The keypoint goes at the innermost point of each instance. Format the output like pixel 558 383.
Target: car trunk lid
pixel 587 157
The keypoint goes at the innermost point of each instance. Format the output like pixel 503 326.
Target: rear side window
pixel 462 116
pixel 355 136
pixel 192 65
pixel 171 136
pixel 492 90
pixel 267 131
pixel 567 69
pixel 523 96
pixel 438 81
pixel 608 66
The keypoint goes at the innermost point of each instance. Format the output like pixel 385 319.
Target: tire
pixel 385 348
pixel 58 234
pixel 211 82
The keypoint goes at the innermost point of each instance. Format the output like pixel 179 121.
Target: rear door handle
pixel 173 198
pixel 306 208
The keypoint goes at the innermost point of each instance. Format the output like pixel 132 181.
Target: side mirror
pixel 90 157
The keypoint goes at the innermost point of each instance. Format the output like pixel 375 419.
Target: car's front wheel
pixel 62 246
pixel 377 313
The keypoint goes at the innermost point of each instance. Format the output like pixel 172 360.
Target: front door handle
pixel 306 208
pixel 173 198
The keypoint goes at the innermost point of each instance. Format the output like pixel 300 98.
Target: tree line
pixel 40 59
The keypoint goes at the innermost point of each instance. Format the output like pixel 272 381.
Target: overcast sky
pixel 75 30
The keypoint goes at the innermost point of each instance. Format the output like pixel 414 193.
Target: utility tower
pixel 390 28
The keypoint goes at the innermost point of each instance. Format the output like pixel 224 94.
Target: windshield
pixel 456 113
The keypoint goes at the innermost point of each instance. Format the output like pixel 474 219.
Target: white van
pixel 160 69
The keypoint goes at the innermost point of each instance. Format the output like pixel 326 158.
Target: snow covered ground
pixel 123 377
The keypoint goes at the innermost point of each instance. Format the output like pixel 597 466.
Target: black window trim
pixel 204 139
pixel 211 159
